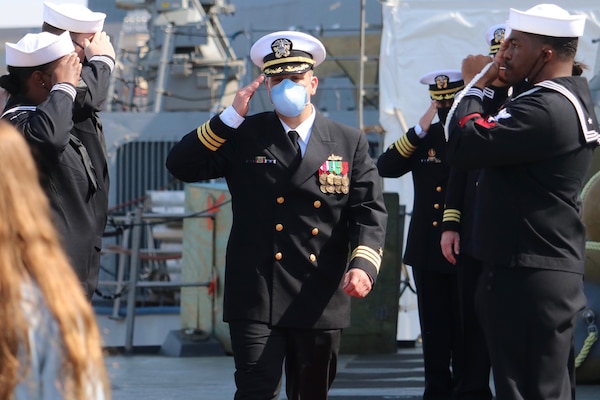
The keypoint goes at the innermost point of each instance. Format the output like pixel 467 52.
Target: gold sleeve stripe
pixel 404 147
pixel 369 254
pixel 451 215
pixel 209 138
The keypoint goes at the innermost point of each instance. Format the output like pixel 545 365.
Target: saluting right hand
pixel 67 70
pixel 100 45
pixel 241 101
pixel 427 118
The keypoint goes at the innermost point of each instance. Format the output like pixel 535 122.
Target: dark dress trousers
pixel 459 211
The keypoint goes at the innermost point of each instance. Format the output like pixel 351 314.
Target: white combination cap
pixel 547 20
pixel 287 52
pixel 494 37
pixel 36 49
pixel 73 17
pixel 443 84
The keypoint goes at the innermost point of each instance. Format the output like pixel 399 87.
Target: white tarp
pixel 419 36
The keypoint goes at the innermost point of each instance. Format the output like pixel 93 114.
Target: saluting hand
pixel 357 283
pixel 242 97
pixel 100 45
pixel 427 118
pixel 67 70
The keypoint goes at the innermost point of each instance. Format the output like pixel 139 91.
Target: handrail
pixel 136 253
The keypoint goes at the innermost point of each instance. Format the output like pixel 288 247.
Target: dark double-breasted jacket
pixel 295 232
pixel 425 158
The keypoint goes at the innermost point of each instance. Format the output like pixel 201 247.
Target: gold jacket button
pixel 317 204
pixel 278 256
pixel 438 189
pixel 280 200
pixel 279 227
pixel 312 258
pixel 436 206
pixel 315 231
pixel 435 223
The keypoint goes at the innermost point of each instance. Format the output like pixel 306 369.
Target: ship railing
pixel 132 253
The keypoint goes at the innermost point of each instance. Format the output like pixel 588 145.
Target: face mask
pixel 289 98
pixel 442 113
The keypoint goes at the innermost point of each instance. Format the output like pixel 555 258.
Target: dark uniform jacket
pixel 289 245
pixel 91 96
pixel 534 157
pixel 459 208
pixel 63 173
pixel 425 158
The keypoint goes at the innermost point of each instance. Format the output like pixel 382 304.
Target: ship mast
pixel 174 56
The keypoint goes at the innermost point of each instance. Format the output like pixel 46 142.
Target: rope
pixel 585 350
pixel 588 186
pixel 589 245
pixel 460 96
pixel 589 317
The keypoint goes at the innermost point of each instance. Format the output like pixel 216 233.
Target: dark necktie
pixel 294 138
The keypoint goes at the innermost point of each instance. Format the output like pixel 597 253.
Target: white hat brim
pixel 73 17
pixel 36 49
pixel 546 20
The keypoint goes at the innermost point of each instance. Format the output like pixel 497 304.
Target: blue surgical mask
pixel 289 98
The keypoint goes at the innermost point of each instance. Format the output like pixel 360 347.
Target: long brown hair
pixel 30 253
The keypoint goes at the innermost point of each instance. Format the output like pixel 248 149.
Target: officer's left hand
pixel 450 244
pixel 357 283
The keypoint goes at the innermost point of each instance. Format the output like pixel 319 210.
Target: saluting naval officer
pixel 297 212
pixel 534 154
pixel 97 55
pixel 422 152
pixel 457 247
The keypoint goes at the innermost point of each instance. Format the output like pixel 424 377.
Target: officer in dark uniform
pixel 534 154
pixel 422 151
pixel 304 192
pixel 457 247
pixel 98 57
pixel 494 36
